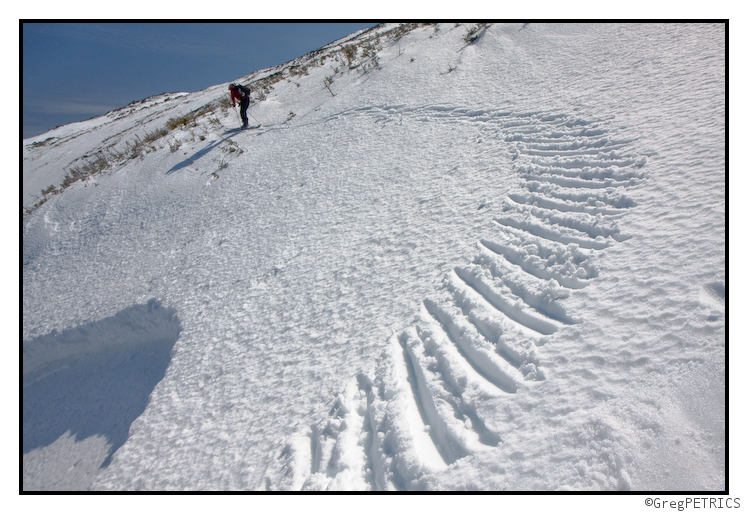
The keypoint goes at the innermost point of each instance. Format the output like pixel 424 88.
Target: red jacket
pixel 237 95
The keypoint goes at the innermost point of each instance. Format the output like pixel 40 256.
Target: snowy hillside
pixel 450 257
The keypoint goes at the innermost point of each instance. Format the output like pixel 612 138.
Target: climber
pixel 240 93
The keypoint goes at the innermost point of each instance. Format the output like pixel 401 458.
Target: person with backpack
pixel 240 93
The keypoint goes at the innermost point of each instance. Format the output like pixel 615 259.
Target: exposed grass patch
pixel 350 52
pixel 181 121
pixel 157 134
pixel 224 103
pixel 474 33
pixel 103 160
pixel 85 170
pixel 188 120
pixel 328 83
pixel 298 70
pixel 42 143
pixel 231 147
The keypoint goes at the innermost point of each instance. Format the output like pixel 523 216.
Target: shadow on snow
pixel 200 153
pixel 95 378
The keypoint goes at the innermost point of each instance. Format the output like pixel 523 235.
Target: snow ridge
pixel 475 343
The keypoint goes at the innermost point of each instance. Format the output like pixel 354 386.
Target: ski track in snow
pixel 477 342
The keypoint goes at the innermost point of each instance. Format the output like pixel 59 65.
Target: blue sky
pixel 75 71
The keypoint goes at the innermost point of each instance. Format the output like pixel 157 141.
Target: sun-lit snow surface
pixel 488 266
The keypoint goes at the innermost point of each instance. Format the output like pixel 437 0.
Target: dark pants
pixel 243 110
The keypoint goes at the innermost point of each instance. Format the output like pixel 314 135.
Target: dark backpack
pixel 244 89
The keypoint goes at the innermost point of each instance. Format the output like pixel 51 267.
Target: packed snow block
pixel 95 379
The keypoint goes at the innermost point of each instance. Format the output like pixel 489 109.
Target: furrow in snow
pixel 563 206
pixel 603 161
pixel 513 342
pixel 438 404
pixel 462 392
pixel 331 455
pixel 560 152
pixel 514 309
pixel 550 135
pixel 611 196
pixel 592 226
pixel 541 295
pixel 575 144
pixel 557 264
pixel 564 181
pixel 569 236
pixel 399 418
pixel 592 173
pixel 473 347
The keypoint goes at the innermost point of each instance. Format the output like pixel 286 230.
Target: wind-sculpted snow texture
pixel 455 258
pixel 434 397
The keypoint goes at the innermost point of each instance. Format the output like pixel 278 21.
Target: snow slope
pixel 487 264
